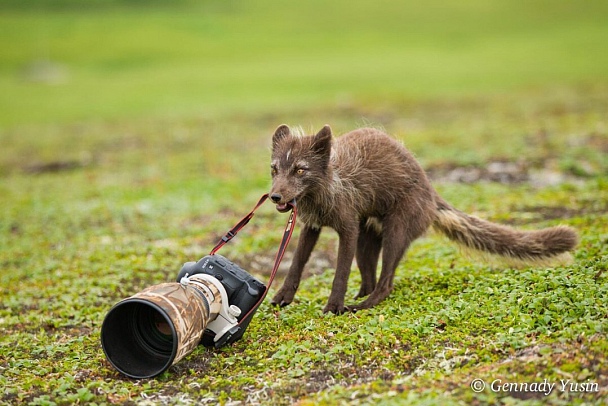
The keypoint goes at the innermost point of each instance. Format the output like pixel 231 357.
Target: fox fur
pixel 374 194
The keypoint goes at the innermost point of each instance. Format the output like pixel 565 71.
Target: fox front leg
pixel 346 253
pixel 306 243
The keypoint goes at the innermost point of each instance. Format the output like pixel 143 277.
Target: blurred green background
pixel 69 60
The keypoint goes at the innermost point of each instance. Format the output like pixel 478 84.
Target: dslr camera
pixel 211 303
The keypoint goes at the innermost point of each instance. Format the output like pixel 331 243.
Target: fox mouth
pixel 285 207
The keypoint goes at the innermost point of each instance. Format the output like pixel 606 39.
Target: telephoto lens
pixel 211 303
pixel 148 332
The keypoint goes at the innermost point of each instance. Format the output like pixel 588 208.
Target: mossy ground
pixel 77 240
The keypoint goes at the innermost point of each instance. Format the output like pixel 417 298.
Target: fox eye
pixel 273 170
pixel 300 171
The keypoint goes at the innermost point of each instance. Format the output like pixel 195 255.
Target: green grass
pixel 261 56
pixel 158 142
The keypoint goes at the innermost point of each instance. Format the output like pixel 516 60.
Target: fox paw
pixel 283 297
pixel 356 307
pixel 335 308
pixel 366 304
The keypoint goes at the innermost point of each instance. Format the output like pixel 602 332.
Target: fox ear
pixel 322 141
pixel 281 132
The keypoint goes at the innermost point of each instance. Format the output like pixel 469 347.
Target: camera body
pixel 243 292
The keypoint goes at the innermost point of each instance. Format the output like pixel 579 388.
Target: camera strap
pixel 289 227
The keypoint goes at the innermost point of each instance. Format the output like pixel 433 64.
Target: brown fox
pixel 372 191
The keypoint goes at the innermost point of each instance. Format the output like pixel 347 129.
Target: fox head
pixel 299 166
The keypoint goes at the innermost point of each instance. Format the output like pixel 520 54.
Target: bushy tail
pixel 546 246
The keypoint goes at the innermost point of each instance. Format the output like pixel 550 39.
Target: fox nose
pixel 276 197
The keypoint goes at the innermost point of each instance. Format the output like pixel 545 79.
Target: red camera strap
pixel 289 227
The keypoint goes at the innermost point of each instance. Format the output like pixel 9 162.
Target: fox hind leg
pixel 398 233
pixel 369 245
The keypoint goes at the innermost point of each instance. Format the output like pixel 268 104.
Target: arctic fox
pixel 372 191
